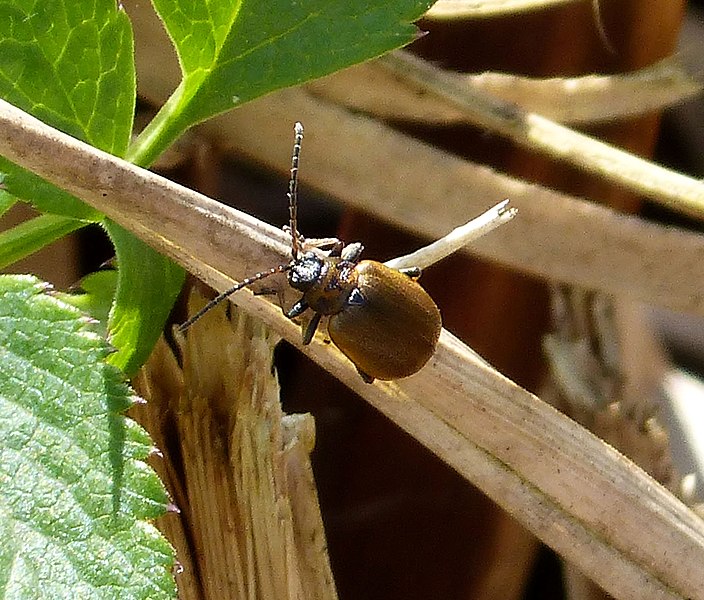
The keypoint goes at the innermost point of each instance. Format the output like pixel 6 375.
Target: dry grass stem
pixel 457 239
pixel 374 89
pixel 534 131
pixel 468 9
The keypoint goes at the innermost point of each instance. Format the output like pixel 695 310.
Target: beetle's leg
pixel 364 376
pixel 308 330
pixel 352 252
pixel 272 291
pixel 266 291
pixel 412 272
pixel 322 243
pixel 337 248
pixel 297 309
pixel 301 238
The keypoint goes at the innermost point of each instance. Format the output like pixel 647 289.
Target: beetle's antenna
pixel 235 288
pixel 293 190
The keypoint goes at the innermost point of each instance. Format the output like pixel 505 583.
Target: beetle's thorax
pixel 326 282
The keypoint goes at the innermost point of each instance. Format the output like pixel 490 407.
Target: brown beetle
pixel 379 317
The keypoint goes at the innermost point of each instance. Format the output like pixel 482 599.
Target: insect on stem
pixel 377 315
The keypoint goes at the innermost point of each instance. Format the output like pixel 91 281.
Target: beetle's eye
pixel 305 272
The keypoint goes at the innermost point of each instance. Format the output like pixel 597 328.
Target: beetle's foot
pixel 364 376
pixel 308 329
pixel 412 272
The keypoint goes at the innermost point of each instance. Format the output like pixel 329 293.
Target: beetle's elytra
pixel 393 332
pixel 379 317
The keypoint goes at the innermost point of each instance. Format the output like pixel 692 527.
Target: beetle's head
pixel 306 271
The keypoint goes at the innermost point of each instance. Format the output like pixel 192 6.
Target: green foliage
pixel 71 64
pixel 146 292
pixel 7 200
pixel 75 492
pixel 94 296
pixel 232 51
pixel 33 235
pixel 45 196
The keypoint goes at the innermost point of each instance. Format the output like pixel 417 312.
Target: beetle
pixel 379 317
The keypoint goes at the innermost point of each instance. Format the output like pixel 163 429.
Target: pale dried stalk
pixel 249 525
pixel 572 490
pixel 533 131
pixel 457 239
pixel 373 89
pixel 595 98
pixel 469 9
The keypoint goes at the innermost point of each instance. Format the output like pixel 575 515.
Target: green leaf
pixel 233 51
pixel 32 235
pixel 94 296
pixel 146 291
pixel 71 65
pixel 7 200
pixel 44 196
pixel 75 492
